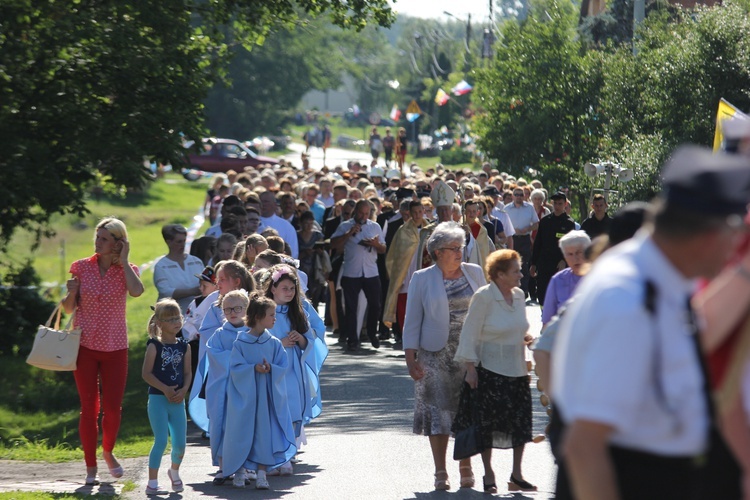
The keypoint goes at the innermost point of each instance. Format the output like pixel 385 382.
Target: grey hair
pixel 536 193
pixel 404 205
pixel 444 234
pixel 574 238
pixel 457 208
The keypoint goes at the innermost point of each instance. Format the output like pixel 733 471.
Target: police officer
pixel 628 378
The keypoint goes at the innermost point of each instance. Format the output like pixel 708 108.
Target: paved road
pixel 361 447
pixel 334 156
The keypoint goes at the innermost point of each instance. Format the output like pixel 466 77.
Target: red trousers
pixel 108 370
pixel 401 309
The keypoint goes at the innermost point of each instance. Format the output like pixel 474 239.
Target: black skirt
pixel 504 409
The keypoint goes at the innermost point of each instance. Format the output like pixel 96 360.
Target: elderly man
pixel 268 218
pixel 628 378
pixel 525 221
pixel 361 240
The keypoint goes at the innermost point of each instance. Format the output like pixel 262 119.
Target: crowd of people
pixel 442 264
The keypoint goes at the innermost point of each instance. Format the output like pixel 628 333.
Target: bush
pixel 22 309
pixel 455 156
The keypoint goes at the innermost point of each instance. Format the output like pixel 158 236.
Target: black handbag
pixel 468 441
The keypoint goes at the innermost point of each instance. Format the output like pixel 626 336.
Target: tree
pixel 91 88
pixel 538 99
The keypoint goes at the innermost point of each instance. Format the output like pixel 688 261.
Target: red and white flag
pixel 395 113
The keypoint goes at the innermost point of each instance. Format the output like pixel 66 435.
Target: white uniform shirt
pixel 523 216
pixel 360 261
pixel 169 276
pixel 508 228
pixel 605 363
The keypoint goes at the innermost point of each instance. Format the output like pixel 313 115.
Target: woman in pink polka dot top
pixel 97 292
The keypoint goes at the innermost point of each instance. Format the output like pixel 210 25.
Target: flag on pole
pixel 441 98
pixel 462 88
pixel 395 113
pixel 726 111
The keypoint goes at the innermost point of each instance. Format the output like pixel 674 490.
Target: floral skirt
pixel 504 409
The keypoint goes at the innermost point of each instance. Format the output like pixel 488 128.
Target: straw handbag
pixel 55 349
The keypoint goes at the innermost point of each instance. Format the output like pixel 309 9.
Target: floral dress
pixel 436 394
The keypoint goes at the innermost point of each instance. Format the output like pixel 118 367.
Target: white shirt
pixel 508 227
pixel 169 276
pixel 493 332
pixel 523 216
pixel 606 365
pixel 285 229
pixel 328 201
pixel 214 230
pixel 360 261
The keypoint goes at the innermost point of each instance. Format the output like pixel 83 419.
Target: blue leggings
pixel 167 419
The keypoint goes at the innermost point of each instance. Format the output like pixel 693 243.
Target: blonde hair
pixel 241 295
pixel 162 309
pixel 117 229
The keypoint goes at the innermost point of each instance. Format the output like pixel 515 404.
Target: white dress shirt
pixel 360 261
pixel 523 216
pixel 285 229
pixel 169 276
pixel 617 364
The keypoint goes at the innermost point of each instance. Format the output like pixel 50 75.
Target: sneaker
pixel 261 483
pixel 250 476
pixel 155 491
pixel 239 479
pixel 286 469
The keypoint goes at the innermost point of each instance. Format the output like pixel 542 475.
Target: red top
pixel 100 312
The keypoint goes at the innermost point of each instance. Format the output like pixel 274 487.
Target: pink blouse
pixel 100 312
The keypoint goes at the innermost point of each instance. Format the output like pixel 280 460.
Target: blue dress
pixel 321 353
pixel 218 351
pixel 258 423
pixel 212 321
pixel 302 377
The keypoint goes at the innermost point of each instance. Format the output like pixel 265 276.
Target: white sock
pixel 153 483
pixel 175 473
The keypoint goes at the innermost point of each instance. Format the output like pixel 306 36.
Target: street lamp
pixel 468 29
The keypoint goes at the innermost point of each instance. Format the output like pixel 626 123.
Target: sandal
pixel 467 481
pixel 441 480
pixel 520 485
pixel 177 486
pixel 489 487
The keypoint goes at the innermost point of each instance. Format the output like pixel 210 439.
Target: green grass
pixel 51 434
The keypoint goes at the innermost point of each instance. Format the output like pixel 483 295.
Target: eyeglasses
pixel 454 249
pixel 517 194
pixel 175 319
pixel 235 309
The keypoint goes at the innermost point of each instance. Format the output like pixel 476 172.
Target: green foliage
pixel 93 87
pixel 538 98
pixel 455 156
pixel 22 309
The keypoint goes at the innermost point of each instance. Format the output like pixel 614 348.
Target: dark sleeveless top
pixel 169 363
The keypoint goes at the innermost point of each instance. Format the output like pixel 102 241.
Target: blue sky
pixel 479 9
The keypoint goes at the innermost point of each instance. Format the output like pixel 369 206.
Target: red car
pixel 222 155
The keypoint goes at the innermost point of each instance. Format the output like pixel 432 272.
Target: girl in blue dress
pixel 218 350
pixel 292 327
pixel 258 434
pixel 166 369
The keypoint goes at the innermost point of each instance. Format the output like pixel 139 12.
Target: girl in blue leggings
pixel 166 369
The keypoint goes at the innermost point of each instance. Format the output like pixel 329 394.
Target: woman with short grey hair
pixel 176 273
pixel 436 305
pixel 563 284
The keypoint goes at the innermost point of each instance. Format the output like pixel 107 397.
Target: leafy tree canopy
pixel 88 89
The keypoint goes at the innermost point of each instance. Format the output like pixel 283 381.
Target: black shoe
pixel 352 348
pixel 375 342
pixel 384 336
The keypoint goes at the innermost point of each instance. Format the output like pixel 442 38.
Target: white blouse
pixel 493 332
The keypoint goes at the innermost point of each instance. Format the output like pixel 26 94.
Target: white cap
pixel 377 172
pixel 442 195
pixel 393 174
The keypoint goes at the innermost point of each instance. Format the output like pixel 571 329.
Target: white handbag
pixel 55 349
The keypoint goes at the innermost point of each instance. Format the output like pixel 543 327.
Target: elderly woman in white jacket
pixel 437 301
pixel 492 347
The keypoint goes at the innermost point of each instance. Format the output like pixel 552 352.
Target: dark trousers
pixel 543 277
pixel 352 287
pixel 644 476
pixel 522 245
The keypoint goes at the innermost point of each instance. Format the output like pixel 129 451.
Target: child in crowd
pixel 166 369
pixel 194 314
pixel 293 329
pixel 258 431
pixel 231 275
pixel 218 349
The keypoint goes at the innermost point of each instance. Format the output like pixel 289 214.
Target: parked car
pixel 349 142
pixel 222 155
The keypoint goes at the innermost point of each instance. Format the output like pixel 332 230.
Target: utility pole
pixel 639 14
